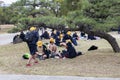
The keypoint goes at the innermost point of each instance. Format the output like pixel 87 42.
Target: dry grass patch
pixel 100 63
pixel 5 28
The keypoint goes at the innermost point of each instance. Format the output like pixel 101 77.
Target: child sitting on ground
pixel 43 53
pixel 70 51
pixel 53 49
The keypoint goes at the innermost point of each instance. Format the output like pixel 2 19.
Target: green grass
pixel 99 63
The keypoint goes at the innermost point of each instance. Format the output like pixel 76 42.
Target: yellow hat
pixel 39 43
pixel 68 41
pixel 52 40
pixel 69 33
pixel 61 36
pixel 32 28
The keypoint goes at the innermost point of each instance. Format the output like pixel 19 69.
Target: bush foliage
pixel 100 14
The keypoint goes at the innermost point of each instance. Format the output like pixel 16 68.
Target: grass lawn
pixel 99 63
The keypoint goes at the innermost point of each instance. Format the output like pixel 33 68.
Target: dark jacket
pixel 71 51
pixel 75 36
pixel 32 44
pixel 66 37
pixel 35 38
pixel 22 36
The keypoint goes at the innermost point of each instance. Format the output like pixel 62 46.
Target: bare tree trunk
pixel 103 35
pixel 107 37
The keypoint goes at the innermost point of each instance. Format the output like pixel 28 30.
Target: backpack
pixel 29 37
pixel 93 47
pixel 26 56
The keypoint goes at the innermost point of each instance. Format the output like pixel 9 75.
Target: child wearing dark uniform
pixel 70 52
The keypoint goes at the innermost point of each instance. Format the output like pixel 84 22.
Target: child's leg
pixel 35 60
pixel 29 61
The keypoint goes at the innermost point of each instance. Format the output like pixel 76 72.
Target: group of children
pixel 40 50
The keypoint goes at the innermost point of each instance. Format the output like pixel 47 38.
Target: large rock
pixel 17 39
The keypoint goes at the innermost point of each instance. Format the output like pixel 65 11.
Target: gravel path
pixel 6 38
pixel 38 77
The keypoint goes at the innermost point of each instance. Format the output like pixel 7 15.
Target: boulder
pixel 17 39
